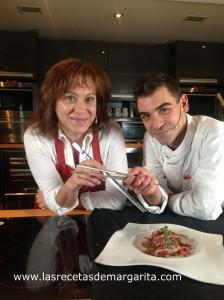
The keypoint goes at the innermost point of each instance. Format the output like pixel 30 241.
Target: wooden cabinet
pixel 154 59
pixel 123 62
pixel 123 66
pixel 128 61
pixel 19 52
pixel 52 51
pixel 197 60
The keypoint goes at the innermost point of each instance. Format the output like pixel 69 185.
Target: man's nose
pixel 155 122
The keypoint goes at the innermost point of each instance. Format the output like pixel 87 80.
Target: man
pixel 183 154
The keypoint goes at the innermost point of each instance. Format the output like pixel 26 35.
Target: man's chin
pixel 164 140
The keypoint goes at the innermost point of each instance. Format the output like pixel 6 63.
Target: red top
pixel 65 171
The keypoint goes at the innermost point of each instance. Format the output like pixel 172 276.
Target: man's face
pixel 163 117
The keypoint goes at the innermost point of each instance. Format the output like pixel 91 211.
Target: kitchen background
pixel 182 38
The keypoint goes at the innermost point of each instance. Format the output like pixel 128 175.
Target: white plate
pixel 206 263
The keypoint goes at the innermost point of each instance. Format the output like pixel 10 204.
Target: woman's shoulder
pixel 111 126
pixel 33 134
pixel 111 130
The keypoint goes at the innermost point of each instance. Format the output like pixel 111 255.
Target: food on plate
pixel 166 243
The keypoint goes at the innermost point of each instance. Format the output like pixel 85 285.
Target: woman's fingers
pixel 90 174
pixel 82 177
pixel 40 200
pixel 92 163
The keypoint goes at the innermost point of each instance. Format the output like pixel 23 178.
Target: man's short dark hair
pixel 148 83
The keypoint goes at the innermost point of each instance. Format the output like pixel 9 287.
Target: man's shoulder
pixel 149 140
pixel 209 125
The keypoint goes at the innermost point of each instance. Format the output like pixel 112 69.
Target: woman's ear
pixel 184 103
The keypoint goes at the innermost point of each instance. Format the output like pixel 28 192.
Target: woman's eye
pixel 69 98
pixel 90 99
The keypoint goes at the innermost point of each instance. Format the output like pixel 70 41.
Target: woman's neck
pixel 77 138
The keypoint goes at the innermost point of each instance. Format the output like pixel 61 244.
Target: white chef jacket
pixel 41 157
pixel 191 177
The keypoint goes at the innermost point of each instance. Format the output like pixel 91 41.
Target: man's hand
pixel 142 182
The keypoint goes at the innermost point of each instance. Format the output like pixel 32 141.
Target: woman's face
pixel 76 111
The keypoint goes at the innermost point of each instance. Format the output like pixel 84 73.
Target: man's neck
pixel 176 143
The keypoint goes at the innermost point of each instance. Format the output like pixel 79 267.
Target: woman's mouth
pixel 78 120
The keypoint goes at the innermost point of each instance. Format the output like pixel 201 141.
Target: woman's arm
pixel 113 154
pixel 59 196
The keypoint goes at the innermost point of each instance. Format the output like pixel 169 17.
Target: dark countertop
pixel 32 245
pixel 103 223
pixel 21 146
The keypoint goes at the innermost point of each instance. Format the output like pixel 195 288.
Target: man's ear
pixel 184 103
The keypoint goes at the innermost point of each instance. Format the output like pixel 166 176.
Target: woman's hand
pixel 142 182
pixel 40 200
pixel 85 177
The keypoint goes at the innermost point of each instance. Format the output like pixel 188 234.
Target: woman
pixel 73 108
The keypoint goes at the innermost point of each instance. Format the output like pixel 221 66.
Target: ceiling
pixel 144 21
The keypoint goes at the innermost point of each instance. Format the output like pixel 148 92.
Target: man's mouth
pixel 161 133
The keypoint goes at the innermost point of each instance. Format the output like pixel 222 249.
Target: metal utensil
pixel 113 174
pixel 113 181
pixel 80 150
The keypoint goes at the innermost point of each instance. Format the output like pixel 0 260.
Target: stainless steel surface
pixel 212 81
pixel 14 116
pixel 134 150
pixel 15 85
pixel 17 101
pixel 12 130
pixel 122 96
pixel 7 74
pixel 220 99
pixel 133 131
pixel 205 100
pixel 19 186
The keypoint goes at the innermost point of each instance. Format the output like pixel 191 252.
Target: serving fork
pixel 112 180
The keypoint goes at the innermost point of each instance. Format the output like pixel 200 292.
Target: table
pixel 103 223
pixel 36 242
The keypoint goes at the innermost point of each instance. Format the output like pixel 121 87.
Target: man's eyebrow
pixel 157 108
pixel 162 105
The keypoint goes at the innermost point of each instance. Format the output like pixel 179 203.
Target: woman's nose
pixel 79 106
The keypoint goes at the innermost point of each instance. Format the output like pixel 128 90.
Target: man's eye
pixel 145 117
pixel 164 109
